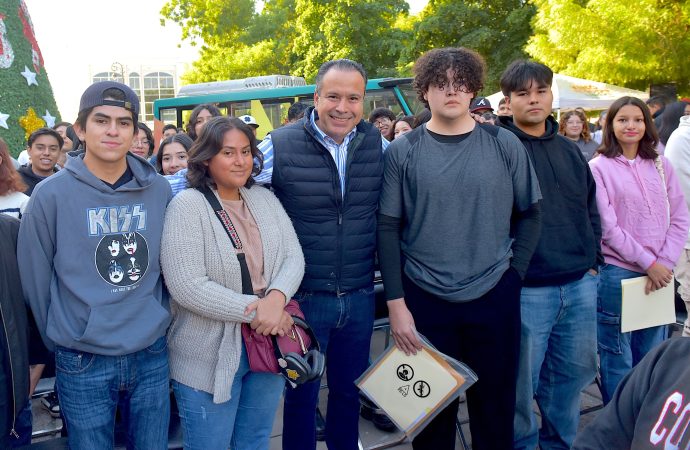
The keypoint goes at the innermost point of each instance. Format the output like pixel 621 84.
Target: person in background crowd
pixel 422 117
pixel 649 410
pixel 402 125
pixel 573 125
pixel 598 134
pixel 644 221
pixel 446 274
pixel 12 197
pixel 221 402
pixel 14 360
pixel 588 124
pixel 143 144
pixel 382 119
pixel 489 118
pixel 61 128
pixel 169 130
pixel 301 160
pixel 656 106
pixel 480 105
pixel 253 125
pixel 670 121
pixel 90 272
pixel 199 116
pixel 558 348
pixel 172 154
pixel 503 108
pixel 678 152
pixel 296 111
pixel 77 144
pixel 44 147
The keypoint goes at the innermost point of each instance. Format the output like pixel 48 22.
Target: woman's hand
pixel 659 277
pixel 269 313
pixel 402 327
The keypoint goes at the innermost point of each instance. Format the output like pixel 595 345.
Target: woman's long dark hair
pixel 191 125
pixel 210 143
pixel 647 146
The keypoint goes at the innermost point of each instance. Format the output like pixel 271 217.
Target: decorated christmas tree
pixel 26 98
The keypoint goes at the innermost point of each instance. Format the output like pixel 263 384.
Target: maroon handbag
pixel 260 349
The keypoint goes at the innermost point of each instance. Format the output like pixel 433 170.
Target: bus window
pixel 410 95
pixel 381 99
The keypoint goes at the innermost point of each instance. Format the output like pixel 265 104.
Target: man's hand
pixel 269 317
pixel 402 327
pixel 659 277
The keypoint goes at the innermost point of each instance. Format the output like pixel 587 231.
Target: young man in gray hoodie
pixel 90 272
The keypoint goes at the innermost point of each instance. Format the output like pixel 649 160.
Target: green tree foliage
pixel 25 104
pixel 616 41
pixel 288 36
pixel 362 30
pixel 497 29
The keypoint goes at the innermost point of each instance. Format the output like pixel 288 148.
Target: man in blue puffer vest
pixel 327 169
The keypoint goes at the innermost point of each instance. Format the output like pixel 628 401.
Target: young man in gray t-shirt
pixel 458 222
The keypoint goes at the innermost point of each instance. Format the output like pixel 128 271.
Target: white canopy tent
pixel 571 92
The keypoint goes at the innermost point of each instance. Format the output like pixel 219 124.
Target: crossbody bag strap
pixel 229 228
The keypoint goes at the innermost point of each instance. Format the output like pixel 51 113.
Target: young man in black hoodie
pixel 559 294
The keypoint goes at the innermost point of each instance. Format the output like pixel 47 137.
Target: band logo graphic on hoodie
pixel 122 255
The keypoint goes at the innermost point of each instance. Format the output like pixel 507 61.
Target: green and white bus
pixel 267 99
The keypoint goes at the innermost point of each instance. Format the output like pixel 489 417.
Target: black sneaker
pixel 50 402
pixel 369 411
pixel 320 426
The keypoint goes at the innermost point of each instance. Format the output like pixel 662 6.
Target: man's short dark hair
pixel 658 100
pixel 522 73
pixel 61 124
pixel 502 101
pixel 45 132
pixel 381 112
pixel 112 93
pixel 169 127
pixel 338 64
pixel 431 67
pixel 296 111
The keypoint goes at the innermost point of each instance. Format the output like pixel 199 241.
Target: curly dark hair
pixel 431 67
pixel 210 143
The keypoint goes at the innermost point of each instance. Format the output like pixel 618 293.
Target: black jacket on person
pixel 337 232
pixel 569 244
pixel 13 312
pixel 30 178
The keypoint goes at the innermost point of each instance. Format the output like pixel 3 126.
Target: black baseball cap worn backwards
pixel 93 96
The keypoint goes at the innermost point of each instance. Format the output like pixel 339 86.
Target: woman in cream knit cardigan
pixel 222 404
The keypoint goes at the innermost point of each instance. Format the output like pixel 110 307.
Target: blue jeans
pixel 558 359
pixel 619 352
pixel 91 387
pixel 244 422
pixel 343 325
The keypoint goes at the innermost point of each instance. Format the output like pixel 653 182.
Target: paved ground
pixel 370 436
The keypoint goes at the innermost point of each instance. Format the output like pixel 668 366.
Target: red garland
pixel 28 29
